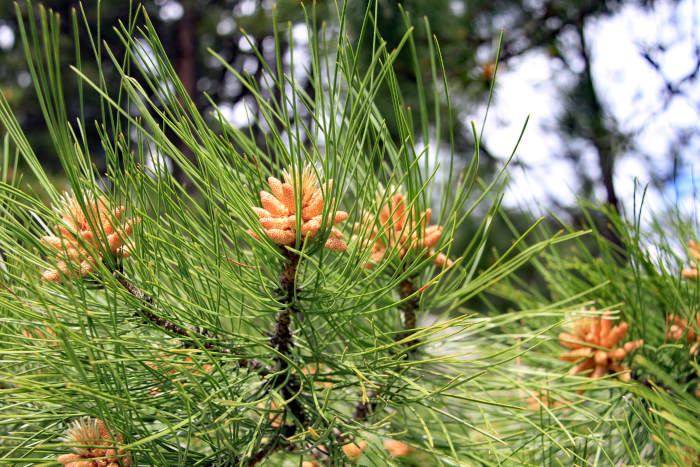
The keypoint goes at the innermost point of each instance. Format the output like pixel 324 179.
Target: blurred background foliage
pixel 467 33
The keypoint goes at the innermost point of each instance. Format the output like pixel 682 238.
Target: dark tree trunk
pixel 600 136
pixel 186 68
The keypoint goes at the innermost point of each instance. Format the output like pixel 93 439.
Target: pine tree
pixel 302 304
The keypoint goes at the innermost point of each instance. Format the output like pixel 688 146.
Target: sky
pixel 633 93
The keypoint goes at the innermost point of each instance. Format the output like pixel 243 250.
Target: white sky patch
pixel 157 164
pixel 246 43
pixel 225 26
pixel 7 37
pixel 631 90
pixel 245 8
pixel 458 8
pixel 250 65
pixel 239 114
pixel 232 86
pixel 635 93
pixel 300 34
pixel 525 88
pixel 24 79
pixel 171 11
pixel 144 56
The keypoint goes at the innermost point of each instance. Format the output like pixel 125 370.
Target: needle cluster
pixel 692 271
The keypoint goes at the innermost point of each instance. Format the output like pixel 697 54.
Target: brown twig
pixel 282 339
pixel 409 307
pixel 283 342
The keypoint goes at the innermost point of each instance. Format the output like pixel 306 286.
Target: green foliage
pixel 207 346
pixel 634 267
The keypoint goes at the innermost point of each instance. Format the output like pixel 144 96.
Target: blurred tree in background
pixel 466 30
pixel 591 138
pixel 188 30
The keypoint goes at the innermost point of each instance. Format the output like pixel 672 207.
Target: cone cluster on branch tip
pixel 694 250
pixel 399 229
pixel 354 450
pixel 398 448
pixel 278 215
pixel 679 328
pixel 94 446
pixel 85 236
pixel 594 340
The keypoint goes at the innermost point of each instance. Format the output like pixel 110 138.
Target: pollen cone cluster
pixel 594 340
pixel 679 327
pixel 93 446
pixel 85 236
pixel 694 250
pixel 396 228
pixel 274 414
pixel 278 214
pixel 397 448
pixel 354 450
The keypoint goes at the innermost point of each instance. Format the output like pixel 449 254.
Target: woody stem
pixel 282 338
pixel 409 307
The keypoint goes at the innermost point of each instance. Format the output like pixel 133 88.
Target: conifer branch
pixel 283 342
pixel 282 337
pixel 409 307
pixel 173 328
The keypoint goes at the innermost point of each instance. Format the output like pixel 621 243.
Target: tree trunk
pixel 186 68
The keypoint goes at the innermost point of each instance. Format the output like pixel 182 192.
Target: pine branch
pixel 409 307
pixel 282 338
pixel 179 330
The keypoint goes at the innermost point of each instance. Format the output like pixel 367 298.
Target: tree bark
pixel 186 68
